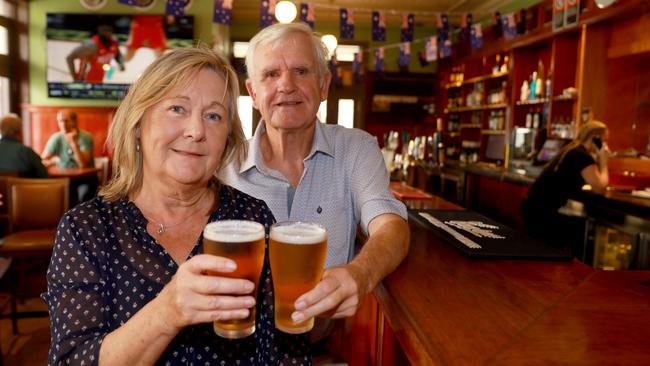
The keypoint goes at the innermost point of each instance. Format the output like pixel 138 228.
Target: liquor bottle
pixel 535 119
pixel 533 86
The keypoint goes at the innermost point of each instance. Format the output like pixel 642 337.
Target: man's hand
pixel 337 295
pixel 71 137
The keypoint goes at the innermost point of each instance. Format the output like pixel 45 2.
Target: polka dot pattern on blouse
pixel 105 267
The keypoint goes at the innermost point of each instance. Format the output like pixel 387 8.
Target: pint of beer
pixel 297 252
pixel 243 242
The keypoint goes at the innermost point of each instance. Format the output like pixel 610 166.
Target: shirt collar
pixel 254 157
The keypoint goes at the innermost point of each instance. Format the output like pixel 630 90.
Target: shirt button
pixel 319 209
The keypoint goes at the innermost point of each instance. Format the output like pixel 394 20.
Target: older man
pixel 309 171
pixel 72 147
pixel 14 156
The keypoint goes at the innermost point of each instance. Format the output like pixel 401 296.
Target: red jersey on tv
pixel 93 65
pixel 147 31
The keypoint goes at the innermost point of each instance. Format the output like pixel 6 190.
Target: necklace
pixel 162 227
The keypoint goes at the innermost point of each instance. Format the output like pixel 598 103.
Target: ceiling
pixel 424 10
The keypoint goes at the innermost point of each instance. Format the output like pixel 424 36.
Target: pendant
pixel 161 229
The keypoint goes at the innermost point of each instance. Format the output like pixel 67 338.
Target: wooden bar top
pixel 451 310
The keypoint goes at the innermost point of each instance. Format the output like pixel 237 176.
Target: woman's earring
pixel 137 147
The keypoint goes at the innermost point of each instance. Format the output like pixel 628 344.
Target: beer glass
pixel 243 242
pixel 297 253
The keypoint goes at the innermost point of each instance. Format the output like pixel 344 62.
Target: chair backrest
pixel 37 203
pixel 103 163
pixel 4 175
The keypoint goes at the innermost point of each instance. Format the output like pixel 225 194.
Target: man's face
pixel 285 86
pixel 66 121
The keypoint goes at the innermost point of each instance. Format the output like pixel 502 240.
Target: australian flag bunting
pixel 509 26
pixel 175 8
pixel 335 70
pixel 267 13
pixel 431 49
pixel 357 67
pixel 347 23
pixel 307 14
pixel 476 35
pixel 520 18
pixel 465 26
pixel 404 58
pixel 222 11
pixel 497 25
pixel 378 26
pixel 407 28
pixel 379 60
pixel 129 2
pixel 444 41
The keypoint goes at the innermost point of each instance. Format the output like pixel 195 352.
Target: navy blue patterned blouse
pixel 105 267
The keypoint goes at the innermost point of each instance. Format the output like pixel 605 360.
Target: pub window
pixel 346 113
pixel 322 112
pixel 245 108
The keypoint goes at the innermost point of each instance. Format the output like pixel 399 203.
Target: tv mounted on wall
pixel 82 51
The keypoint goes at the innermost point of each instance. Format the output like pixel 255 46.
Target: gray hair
pixel 278 31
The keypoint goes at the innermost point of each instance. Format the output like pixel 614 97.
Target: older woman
pixel 127 282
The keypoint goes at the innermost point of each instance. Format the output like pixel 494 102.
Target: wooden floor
pixel 28 347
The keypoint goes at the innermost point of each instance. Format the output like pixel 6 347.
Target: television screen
pixel 98 56
pixel 495 148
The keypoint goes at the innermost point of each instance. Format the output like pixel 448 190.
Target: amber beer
pixel 297 253
pixel 243 242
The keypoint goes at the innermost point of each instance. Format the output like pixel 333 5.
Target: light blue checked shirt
pixel 344 184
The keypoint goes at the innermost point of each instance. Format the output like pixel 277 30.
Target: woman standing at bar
pixel 582 161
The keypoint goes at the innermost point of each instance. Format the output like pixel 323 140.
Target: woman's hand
pixel 194 297
pixel 603 154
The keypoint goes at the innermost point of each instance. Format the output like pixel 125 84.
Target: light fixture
pixel 604 3
pixel 285 11
pixel 330 42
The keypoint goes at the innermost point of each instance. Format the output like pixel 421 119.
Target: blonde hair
pixel 170 71
pixel 587 131
pixel 276 32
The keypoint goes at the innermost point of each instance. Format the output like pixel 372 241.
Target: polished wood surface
pixel 447 309
pixel 72 173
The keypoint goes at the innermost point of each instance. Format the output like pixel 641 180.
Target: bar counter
pixel 446 309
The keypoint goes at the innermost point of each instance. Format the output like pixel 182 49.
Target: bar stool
pixel 35 208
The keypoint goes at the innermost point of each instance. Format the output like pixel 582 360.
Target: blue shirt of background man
pixel 58 146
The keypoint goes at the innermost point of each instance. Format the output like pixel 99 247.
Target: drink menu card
pixel 477 236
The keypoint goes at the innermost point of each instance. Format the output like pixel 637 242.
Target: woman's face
pixel 598 138
pixel 183 137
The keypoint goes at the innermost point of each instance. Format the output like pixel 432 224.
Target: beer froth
pixel 299 233
pixel 234 231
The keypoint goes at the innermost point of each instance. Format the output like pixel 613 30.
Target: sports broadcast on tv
pixel 99 56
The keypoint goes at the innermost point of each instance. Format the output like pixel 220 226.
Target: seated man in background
pixel 14 156
pixel 72 147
